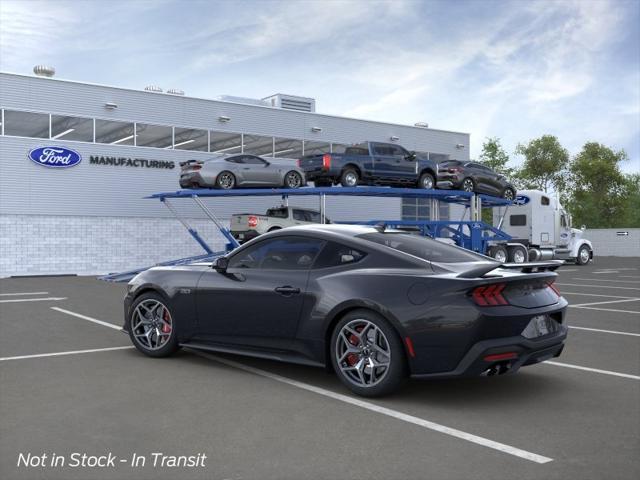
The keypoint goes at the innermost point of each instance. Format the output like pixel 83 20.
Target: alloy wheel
pixel 351 179
pixel 508 194
pixel 151 324
pixel 293 180
pixel 584 255
pixel 467 185
pixel 226 181
pixel 427 182
pixel 363 353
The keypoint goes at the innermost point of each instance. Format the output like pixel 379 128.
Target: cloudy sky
pixel 511 69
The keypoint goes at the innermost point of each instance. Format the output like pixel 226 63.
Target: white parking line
pixel 605 331
pixel 605 302
pixel 23 293
pixel 629 276
pixel 598 286
pixel 588 369
pixel 59 354
pixel 606 309
pixel 485 442
pixel 568 270
pixel 606 271
pixel 637 282
pixel 89 319
pixel 592 294
pixel 47 299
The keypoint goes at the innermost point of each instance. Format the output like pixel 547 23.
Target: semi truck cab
pixel 541 229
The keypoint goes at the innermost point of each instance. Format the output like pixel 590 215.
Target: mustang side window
pixel 336 254
pixel 283 253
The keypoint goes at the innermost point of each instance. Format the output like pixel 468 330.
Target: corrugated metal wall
pixel 99 190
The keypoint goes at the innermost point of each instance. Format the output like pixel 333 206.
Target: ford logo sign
pixel 55 157
pixel 521 200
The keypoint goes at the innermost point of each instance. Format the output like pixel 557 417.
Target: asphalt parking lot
pixel 575 417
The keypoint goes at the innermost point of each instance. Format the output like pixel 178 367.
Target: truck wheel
pixel 468 185
pixel 426 181
pixel 226 180
pixel 518 254
pixel 349 178
pixel 584 255
pixel 499 253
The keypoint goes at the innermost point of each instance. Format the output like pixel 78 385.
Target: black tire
pixel 396 373
pixel 584 252
pixel 468 185
pixel 509 194
pixel 515 258
pixel 226 180
pixel 166 347
pixel 499 251
pixel 293 180
pixel 427 181
pixel 346 179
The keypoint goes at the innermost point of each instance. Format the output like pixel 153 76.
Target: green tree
pixel 598 192
pixel 630 216
pixel 545 164
pixel 495 157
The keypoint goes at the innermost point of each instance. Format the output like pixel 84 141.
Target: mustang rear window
pixel 422 247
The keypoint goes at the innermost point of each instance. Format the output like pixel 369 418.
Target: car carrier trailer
pixel 469 232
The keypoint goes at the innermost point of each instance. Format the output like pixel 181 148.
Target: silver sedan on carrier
pixel 242 170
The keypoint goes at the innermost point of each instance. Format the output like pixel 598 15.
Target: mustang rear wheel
pixel 151 326
pixel 226 180
pixel 367 354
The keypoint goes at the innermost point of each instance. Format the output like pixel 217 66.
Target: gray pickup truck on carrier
pixel 371 163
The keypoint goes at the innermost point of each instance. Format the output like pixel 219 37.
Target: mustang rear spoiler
pixel 530 267
pixel 189 162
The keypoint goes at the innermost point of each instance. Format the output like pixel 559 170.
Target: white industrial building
pixel 93 218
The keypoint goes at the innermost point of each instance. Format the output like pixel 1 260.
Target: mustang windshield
pixel 422 247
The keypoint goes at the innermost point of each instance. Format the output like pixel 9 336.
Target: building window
pixel 338 147
pixel 191 139
pixel 115 133
pixel 258 145
pixel 157 136
pixel 287 148
pixel 419 209
pixel 226 143
pixel 71 128
pixel 316 148
pixel 26 124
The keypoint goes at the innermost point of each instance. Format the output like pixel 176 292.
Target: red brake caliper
pixel 353 358
pixel 165 326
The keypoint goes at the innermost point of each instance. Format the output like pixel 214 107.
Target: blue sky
pixel 511 69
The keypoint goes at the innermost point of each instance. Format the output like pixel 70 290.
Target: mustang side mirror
pixel 221 264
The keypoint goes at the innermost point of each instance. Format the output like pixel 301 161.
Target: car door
pixel 260 172
pixel 392 163
pixel 257 301
pixel 480 177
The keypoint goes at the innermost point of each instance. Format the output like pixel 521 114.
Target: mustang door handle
pixel 287 290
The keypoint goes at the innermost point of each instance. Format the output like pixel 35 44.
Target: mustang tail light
pixel 552 285
pixel 326 161
pixel 489 295
pixel 253 221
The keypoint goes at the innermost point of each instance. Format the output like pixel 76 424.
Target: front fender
pixel 579 243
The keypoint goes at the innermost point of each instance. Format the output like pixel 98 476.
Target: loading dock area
pixel 72 382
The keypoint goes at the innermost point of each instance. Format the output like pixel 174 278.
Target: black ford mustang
pixel 374 305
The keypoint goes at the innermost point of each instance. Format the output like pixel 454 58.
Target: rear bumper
pixel 528 352
pixel 191 180
pixel 448 181
pixel 320 173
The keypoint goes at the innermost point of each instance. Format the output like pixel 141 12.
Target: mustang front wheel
pixel 367 354
pixel 151 326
